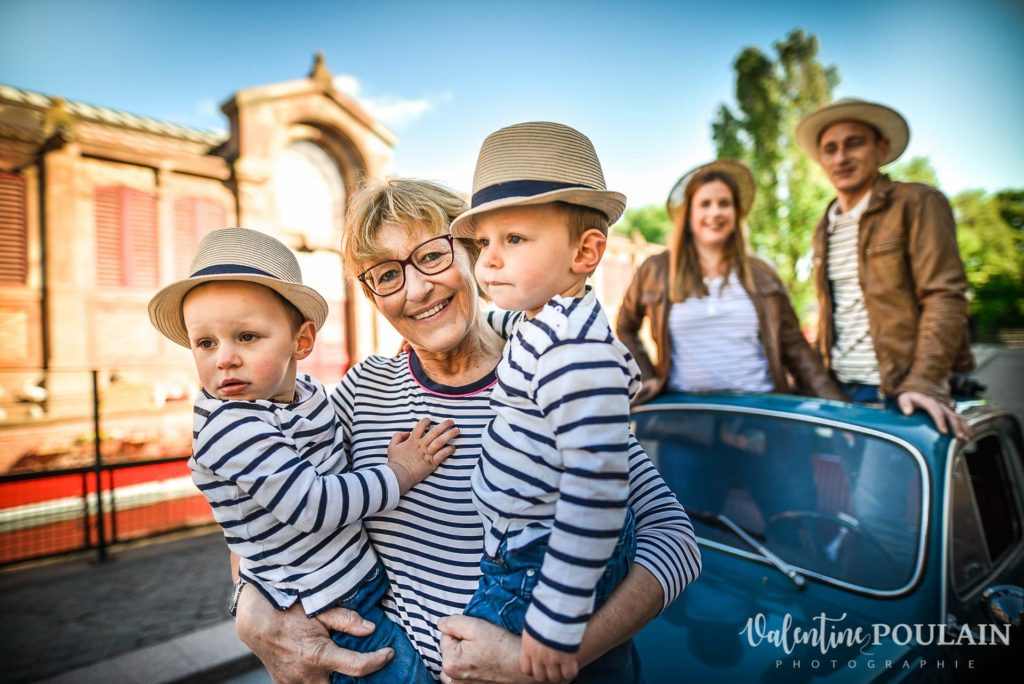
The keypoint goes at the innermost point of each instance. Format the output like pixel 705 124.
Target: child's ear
pixel 589 251
pixel 304 340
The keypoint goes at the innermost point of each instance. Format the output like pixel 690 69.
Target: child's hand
pixel 546 664
pixel 414 455
pixel 648 390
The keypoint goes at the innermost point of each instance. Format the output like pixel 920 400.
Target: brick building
pixel 99 208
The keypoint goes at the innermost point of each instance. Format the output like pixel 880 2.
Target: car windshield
pixel 827 500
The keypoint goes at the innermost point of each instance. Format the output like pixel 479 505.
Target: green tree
pixel 726 130
pixel 914 170
pixel 651 221
pixel 772 93
pixel 1011 208
pixel 993 252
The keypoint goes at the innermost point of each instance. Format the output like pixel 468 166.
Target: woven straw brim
pixel 537 162
pixel 608 202
pixel 740 174
pixel 888 121
pixel 165 307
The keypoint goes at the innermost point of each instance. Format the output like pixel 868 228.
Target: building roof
pixel 115 117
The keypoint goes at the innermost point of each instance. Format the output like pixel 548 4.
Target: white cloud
pixel 347 84
pixel 392 110
pixel 397 112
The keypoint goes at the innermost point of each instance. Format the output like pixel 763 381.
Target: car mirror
pixel 1005 604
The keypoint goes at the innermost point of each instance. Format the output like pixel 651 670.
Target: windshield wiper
pixel 727 523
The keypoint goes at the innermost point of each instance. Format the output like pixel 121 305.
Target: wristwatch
pixel 233 605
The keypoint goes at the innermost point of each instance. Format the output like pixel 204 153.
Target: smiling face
pixel 712 215
pixel 432 312
pixel 244 341
pixel 526 257
pixel 850 153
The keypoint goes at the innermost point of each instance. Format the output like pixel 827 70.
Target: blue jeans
pixel 860 393
pixel 507 586
pixel 406 666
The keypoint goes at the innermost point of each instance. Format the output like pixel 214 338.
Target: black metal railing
pixel 81 509
pixel 93 458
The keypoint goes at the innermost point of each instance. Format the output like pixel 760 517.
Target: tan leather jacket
pixel 784 344
pixel 914 285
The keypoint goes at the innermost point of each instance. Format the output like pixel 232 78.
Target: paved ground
pixel 67 615
pixel 1002 369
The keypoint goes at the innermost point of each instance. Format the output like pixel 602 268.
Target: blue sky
pixel 642 79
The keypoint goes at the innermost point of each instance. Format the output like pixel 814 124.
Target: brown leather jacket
pixel 784 344
pixel 914 285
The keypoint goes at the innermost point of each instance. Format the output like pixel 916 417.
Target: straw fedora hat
pixel 740 174
pixel 886 120
pixel 535 163
pixel 237 254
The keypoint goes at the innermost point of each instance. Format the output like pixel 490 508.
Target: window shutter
pixel 193 219
pixel 141 253
pixel 126 238
pixel 185 232
pixel 109 255
pixel 13 230
pixel 211 217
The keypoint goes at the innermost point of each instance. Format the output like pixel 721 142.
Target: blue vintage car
pixel 841 543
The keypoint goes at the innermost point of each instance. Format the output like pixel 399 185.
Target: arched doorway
pixel 309 193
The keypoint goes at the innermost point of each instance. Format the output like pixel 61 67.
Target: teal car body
pixel 839 542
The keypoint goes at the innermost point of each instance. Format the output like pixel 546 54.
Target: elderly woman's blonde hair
pixel 408 204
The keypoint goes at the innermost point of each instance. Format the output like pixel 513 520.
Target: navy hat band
pixel 231 269
pixel 521 188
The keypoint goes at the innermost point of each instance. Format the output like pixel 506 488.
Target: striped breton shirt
pixel 716 341
pixel 432 541
pixel 554 458
pixel 275 477
pixel 853 352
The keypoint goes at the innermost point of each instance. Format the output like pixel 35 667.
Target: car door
pixel 985 529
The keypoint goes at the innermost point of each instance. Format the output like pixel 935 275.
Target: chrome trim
pixel 944 550
pixel 899 441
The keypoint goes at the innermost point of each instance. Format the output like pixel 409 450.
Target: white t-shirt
pixel 716 341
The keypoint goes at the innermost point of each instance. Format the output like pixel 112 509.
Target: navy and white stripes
pixel 274 475
pixel 431 543
pixel 853 357
pixel 554 459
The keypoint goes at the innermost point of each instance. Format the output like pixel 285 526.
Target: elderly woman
pixel 720 316
pixel 421 280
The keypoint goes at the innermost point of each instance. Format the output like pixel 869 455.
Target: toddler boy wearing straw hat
pixel 552 482
pixel 267 452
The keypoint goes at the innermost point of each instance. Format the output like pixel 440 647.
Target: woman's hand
pixel 648 390
pixel 295 648
pixel 473 651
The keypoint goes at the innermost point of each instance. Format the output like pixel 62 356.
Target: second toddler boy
pixel 552 481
